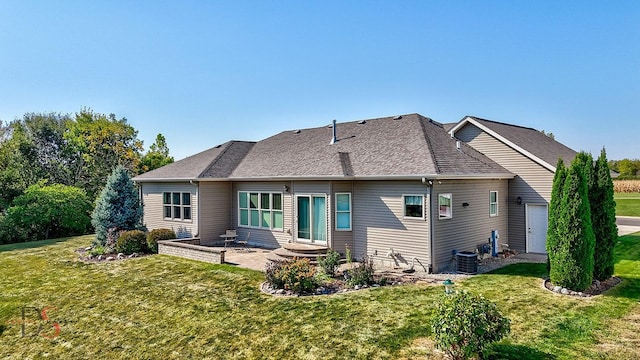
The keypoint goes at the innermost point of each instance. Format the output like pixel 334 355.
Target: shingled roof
pixel 407 146
pixel 215 163
pixel 528 141
pixel 403 146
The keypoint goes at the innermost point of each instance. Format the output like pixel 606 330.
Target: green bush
pixel 329 263
pixel 46 211
pixel 159 234
pixel 297 275
pixel 572 255
pixel 603 219
pixel 464 324
pixel 132 241
pixel 362 274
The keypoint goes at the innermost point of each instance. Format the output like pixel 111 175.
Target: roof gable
pixel 528 141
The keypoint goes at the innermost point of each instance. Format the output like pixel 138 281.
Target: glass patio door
pixel 312 218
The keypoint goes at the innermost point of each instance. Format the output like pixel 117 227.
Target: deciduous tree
pixel 157 156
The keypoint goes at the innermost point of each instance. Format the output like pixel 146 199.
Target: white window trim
pixel 440 217
pixel 172 205
pixel 404 216
pixel 260 209
pixel 350 212
pixel 491 203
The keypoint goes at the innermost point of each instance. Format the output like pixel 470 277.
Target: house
pixel 401 189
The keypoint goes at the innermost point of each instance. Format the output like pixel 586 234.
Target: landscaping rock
pixel 557 289
pixel 564 291
pixel 132 255
pixel 111 258
pixel 88 248
pixel 100 257
pixel 120 256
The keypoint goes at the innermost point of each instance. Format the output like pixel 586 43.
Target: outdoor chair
pixel 229 237
pixel 242 244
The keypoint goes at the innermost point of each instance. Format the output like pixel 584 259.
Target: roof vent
pixel 217 146
pixel 296 131
pixel 333 139
pixel 458 144
pixel 397 117
pixel 361 122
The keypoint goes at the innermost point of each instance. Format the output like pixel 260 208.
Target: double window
pixel 444 206
pixel 493 203
pixel 343 211
pixel 177 205
pixel 413 206
pixel 260 210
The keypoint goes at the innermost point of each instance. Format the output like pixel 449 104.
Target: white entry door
pixel 311 218
pixel 537 222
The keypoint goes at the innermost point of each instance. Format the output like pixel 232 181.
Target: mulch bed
pixel 597 288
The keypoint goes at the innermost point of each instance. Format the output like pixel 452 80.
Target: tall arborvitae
pixel 572 257
pixel 603 216
pixel 554 207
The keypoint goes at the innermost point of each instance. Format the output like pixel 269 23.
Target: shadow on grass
pixel 512 351
pixel 30 244
pixel 537 270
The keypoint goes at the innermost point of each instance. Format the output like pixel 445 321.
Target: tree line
pixel 50 160
pixel 627 168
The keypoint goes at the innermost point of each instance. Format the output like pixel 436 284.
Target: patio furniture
pixel 242 244
pixel 229 237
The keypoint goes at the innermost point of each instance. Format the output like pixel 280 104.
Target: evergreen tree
pixel 603 216
pixel 554 208
pixel 572 258
pixel 118 206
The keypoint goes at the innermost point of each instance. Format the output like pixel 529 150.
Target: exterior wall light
pixel 285 188
pixel 519 200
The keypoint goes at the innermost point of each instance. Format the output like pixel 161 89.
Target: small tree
pixel 464 324
pixel 118 206
pixel 571 259
pixel 603 217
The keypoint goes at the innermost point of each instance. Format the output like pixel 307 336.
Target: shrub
pixel 329 263
pixel 117 206
pixel 464 324
pixel 47 211
pixel 131 241
pixel 571 258
pixel 297 275
pixel 158 234
pixel 362 274
pixel 98 250
pixel 603 219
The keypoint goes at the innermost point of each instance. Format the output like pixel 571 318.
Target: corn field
pixel 626 186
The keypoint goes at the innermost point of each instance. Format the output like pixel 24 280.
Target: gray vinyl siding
pixel 379 223
pixel 215 211
pixel 152 201
pixel 264 237
pixel 533 182
pixel 470 225
pixel 340 239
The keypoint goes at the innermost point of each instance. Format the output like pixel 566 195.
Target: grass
pixel 627 204
pixel 166 307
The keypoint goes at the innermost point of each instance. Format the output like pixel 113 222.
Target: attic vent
pixel 330 126
pixel 217 146
pixel 458 144
pixel 296 131
pixel 397 117
pixel 361 122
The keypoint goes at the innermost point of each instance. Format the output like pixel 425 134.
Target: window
pixel 493 203
pixel 260 210
pixel 444 206
pixel 343 211
pixel 413 206
pixel 176 205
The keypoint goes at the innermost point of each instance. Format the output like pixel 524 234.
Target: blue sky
pixel 204 72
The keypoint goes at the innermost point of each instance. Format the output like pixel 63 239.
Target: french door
pixel 311 214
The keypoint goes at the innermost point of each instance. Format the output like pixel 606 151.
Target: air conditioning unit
pixel 467 262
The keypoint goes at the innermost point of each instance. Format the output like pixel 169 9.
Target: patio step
pixel 300 251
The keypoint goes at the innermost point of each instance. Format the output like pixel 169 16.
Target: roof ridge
pixel 229 144
pixel 502 123
pixel 428 141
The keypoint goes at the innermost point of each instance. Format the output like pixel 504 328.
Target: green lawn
pixel 627 204
pixel 171 308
